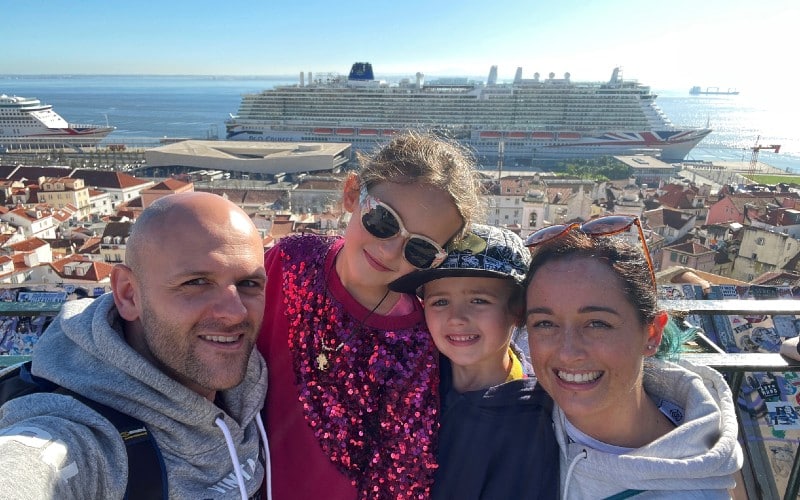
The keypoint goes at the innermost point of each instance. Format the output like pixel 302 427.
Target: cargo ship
pixel 712 91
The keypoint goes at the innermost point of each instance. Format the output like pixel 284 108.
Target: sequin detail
pixel 374 408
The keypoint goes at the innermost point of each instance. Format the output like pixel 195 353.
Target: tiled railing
pixel 24 309
pixel 7 360
pixel 757 472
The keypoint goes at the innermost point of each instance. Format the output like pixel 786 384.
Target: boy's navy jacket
pixel 496 443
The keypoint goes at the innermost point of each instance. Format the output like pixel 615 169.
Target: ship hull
pixel 76 137
pixel 521 148
pixel 712 91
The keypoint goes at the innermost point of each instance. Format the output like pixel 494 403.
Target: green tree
pixel 602 168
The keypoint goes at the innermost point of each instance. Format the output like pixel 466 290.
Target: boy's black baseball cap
pixel 485 251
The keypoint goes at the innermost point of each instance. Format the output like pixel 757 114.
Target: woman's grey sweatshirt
pixel 697 459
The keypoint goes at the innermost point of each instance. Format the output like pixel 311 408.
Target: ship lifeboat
pixel 543 135
pixel 491 135
pixel 345 131
pixel 569 136
pixel 517 135
pixel 323 131
pixel 389 131
pixel 367 131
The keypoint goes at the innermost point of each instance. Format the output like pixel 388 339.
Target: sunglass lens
pixel 420 253
pixel 544 234
pixel 380 222
pixel 607 225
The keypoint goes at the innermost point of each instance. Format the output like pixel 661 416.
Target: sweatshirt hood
pixel 84 351
pixel 701 453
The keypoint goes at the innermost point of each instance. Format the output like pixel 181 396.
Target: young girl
pixel 627 424
pixel 352 403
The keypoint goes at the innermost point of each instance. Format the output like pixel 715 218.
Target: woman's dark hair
pixel 631 267
pixel 626 260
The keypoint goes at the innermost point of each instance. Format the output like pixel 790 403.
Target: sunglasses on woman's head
pixel 382 222
pixel 602 226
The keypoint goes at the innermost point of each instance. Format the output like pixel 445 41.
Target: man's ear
pixel 352 190
pixel 125 289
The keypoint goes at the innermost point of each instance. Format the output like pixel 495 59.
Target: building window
pixel 760 241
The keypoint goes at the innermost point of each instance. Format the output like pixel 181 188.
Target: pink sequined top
pixel 367 414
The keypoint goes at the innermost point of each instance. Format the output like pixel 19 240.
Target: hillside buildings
pixel 62 227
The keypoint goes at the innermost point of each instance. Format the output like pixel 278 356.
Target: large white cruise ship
pixel 28 124
pixel 521 122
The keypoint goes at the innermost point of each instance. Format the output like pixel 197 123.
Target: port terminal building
pixel 246 159
pixel 649 170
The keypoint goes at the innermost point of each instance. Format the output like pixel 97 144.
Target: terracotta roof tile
pixel 28 245
pixel 92 245
pixel 33 173
pixel 282 228
pixel 94 270
pixel 19 261
pixel 168 185
pixel 777 278
pixel 108 179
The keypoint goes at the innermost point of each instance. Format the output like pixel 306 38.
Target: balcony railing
pixel 759 480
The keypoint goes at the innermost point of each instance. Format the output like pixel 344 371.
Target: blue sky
pixel 667 44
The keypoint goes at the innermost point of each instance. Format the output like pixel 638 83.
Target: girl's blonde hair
pixel 423 158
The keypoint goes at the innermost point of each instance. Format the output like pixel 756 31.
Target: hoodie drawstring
pixel 237 468
pixel 583 455
pixel 268 462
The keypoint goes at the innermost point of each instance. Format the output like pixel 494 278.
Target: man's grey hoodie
pixel 52 446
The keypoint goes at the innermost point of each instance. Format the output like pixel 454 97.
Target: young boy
pixel 496 438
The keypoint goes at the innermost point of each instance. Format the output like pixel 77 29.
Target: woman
pixel 627 424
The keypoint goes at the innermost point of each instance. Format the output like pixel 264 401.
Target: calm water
pixel 737 123
pixel 146 108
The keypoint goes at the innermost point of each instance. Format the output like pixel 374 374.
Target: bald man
pixel 171 345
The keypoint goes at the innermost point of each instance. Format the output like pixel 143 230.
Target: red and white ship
pixel 526 120
pixel 27 124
